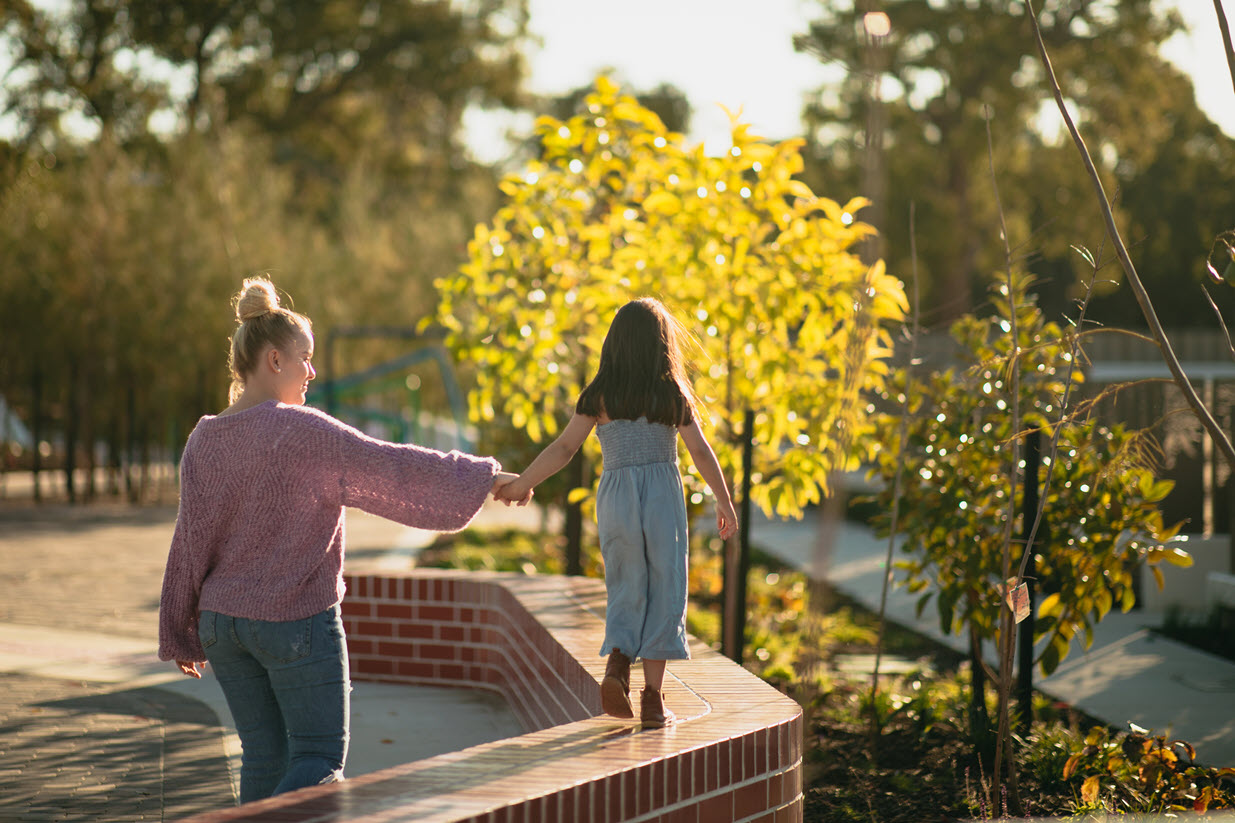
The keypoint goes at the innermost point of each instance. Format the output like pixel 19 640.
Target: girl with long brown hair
pixel 639 402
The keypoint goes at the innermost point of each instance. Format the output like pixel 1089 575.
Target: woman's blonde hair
pixel 262 322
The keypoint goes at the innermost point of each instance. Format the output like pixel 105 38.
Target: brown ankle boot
pixel 652 711
pixel 615 688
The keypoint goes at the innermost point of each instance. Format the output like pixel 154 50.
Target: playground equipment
pixel 352 397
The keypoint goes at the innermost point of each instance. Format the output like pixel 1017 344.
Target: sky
pixel 739 53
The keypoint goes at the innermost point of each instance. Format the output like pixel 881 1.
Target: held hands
pixel 508 489
pixel 726 520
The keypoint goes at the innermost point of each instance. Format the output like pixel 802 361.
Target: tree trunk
pixel 36 429
pixel 143 443
pixel 111 468
pixel 979 718
pixel 574 517
pixel 130 444
pixel 70 436
pixel 1029 508
pixel 737 558
pixel 86 410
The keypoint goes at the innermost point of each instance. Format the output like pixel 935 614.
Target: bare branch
pixel 1226 39
pixel 1229 347
pixel 900 465
pixel 1007 633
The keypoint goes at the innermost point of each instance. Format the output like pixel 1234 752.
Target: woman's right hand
pixel 189 668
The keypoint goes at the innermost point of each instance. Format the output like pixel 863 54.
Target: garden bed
pixel 921 766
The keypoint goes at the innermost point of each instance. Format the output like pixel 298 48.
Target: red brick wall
pixel 463 632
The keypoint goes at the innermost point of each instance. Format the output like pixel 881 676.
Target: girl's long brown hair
pixel 641 371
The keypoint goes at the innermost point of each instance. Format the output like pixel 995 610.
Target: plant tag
pixel 1017 598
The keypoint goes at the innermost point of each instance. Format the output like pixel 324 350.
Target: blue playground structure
pixel 357 398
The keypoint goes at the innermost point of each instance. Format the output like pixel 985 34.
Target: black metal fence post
pixel 1029 510
pixel 737 569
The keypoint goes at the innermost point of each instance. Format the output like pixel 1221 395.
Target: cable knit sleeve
pixel 182 581
pixel 412 485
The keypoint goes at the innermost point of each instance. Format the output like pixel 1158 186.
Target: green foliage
pixel 793 324
pixel 1101 520
pixel 501 551
pixel 1044 754
pixel 918 703
pixel 121 265
pixel 703 623
pixel 1138 772
pixel 122 268
pixel 777 618
pixel 777 609
pixel 333 81
pixel 318 142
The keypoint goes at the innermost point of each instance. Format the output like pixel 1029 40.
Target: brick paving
pixel 91 568
pixel 82 750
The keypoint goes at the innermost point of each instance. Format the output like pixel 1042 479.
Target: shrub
pixel 1138 772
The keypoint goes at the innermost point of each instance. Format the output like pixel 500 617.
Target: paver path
pixel 84 750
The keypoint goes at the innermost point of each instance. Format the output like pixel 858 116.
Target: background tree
pixel 74 70
pixel 117 277
pixel 358 97
pixel 160 152
pixel 328 76
pixel 324 76
pixel 791 323
pixel 1176 196
pixel 949 64
pixel 666 101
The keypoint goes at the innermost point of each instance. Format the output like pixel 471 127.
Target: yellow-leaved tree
pixel 788 321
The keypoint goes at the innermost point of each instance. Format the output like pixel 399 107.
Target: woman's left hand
pixel 189 668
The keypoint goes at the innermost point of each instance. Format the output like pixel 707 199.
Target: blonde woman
pixel 254 576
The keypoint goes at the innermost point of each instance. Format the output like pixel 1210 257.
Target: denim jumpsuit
pixel 641 518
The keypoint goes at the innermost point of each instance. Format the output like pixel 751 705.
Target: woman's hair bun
pixel 257 297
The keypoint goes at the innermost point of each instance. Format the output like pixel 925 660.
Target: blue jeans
pixel 287 686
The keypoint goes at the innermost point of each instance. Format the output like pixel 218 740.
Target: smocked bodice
pixel 637 443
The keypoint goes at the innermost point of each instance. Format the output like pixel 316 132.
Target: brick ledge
pixel 735 755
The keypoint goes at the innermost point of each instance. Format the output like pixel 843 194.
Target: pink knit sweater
pixel 259 533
